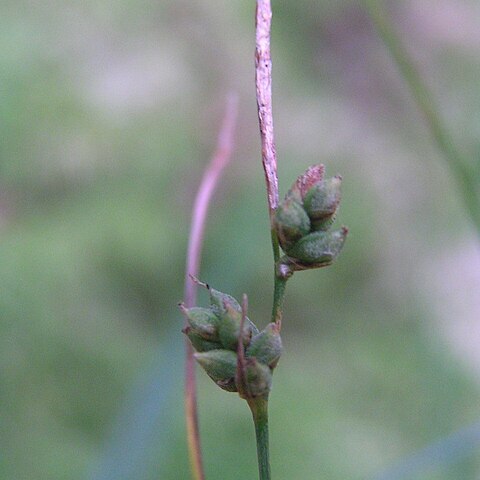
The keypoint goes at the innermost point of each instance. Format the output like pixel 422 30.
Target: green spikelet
pixel 318 248
pixel 266 347
pixel 304 182
pixel 323 224
pixel 229 327
pixel 219 299
pixel 199 343
pixel 258 378
pixel 202 321
pixel 220 366
pixel 322 200
pixel 291 222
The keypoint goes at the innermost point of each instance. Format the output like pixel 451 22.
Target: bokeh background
pixel 109 114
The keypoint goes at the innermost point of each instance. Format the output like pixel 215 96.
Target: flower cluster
pixel 215 334
pixel 303 220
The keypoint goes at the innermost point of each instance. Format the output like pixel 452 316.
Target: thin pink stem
pixel 209 181
pixel 263 81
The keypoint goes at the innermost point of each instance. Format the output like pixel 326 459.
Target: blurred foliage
pixel 109 113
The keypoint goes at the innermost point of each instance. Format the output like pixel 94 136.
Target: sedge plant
pixel 221 338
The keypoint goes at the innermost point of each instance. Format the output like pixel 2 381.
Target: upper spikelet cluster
pixel 303 220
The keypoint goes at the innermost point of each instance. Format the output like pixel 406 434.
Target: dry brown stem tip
pixel 263 81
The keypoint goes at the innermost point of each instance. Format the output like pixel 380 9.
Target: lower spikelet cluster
pixel 215 332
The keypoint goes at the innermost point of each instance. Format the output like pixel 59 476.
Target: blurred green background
pixel 109 113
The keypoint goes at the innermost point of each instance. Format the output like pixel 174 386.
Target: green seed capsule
pixel 199 343
pixel 322 200
pixel 318 248
pixel 304 182
pixel 229 328
pixel 203 321
pixel 258 378
pixel 266 347
pixel 229 385
pixel 220 366
pixel 323 224
pixel 291 222
pixel 218 301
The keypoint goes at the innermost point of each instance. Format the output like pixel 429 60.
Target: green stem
pixel 279 283
pixel 275 244
pixel 278 298
pixel 426 103
pixel 259 408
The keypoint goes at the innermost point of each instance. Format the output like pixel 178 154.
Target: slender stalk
pixel 191 416
pixel 454 157
pixel 209 181
pixel 279 284
pixel 241 379
pixel 275 245
pixel 278 298
pixel 263 82
pixel 259 408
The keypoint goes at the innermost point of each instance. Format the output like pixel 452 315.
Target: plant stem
pixel 275 245
pixel 263 81
pixel 191 416
pixel 278 297
pixel 279 283
pixel 259 408
pixel 200 209
pixel 426 103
